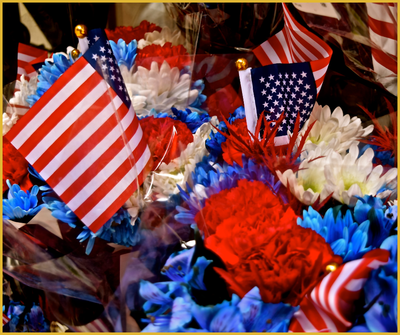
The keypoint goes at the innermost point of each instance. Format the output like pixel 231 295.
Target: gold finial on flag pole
pixel 241 64
pixel 75 53
pixel 81 31
pixel 331 267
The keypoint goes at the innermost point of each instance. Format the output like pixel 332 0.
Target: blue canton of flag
pixel 284 88
pixel 101 57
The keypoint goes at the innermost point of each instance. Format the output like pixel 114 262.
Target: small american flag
pixel 84 138
pixel 284 88
pixel 27 56
pixel 329 307
pixel 382 23
pixel 295 44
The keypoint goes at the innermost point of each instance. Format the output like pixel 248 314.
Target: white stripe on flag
pixel 356 284
pixel 281 37
pixel 106 172
pixel 388 45
pixel 25 58
pixel 94 154
pixel 21 71
pixel 271 52
pixel 118 189
pixel 304 322
pixel 66 122
pixel 379 12
pixel 320 73
pixel 80 138
pixel 52 105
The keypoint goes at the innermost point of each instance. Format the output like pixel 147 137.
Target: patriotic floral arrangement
pixel 283 220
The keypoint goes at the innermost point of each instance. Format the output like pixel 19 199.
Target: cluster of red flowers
pixel 175 56
pixel 129 34
pixel 15 167
pixel 166 138
pixel 261 244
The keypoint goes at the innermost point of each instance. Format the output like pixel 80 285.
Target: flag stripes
pixel 6 319
pixel 86 143
pixel 295 44
pixel 382 23
pixel 329 307
pixel 27 54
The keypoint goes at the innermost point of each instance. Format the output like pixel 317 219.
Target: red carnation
pixel 258 239
pixel 158 132
pixel 15 167
pixel 176 56
pixel 129 34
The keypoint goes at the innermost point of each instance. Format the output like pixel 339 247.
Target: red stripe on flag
pixel 41 103
pixel 385 60
pixel 59 115
pixel 103 160
pixel 382 28
pixel 125 195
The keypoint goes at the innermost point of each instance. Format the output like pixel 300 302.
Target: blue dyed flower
pixel 213 144
pixel 15 309
pixel 124 54
pixel 361 229
pixel 20 204
pixel 35 320
pixel 61 211
pixel 49 73
pixel 247 314
pixel 380 157
pixel 381 291
pixel 178 268
pixel 239 113
pixel 193 120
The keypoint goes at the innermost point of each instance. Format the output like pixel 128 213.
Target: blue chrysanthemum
pixel 361 229
pixel 380 157
pixel 49 73
pixel 21 204
pixel 124 54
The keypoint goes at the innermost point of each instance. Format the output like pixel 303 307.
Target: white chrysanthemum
pixel 349 176
pixel 179 170
pixel 26 88
pixel 12 114
pixel 309 182
pixel 158 89
pixel 160 38
pixel 333 130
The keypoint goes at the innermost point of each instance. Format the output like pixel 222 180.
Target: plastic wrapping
pixel 366 34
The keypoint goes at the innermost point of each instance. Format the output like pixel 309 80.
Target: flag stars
pixel 263 92
pixel 291 121
pixel 102 49
pixel 271 77
pixel 277 83
pixel 297 88
pixel 293 96
pixel 282 108
pixel 267 85
pixel 307 87
pixel 286 76
pixel 296 108
pixel 95 56
pixel 104 67
pixel 294 114
pixel 288 89
pixel 300 82
pixel 108 42
pixel 120 87
pixel 310 97
pixel 303 94
pixel 112 77
pixel 276 103
pixel 280 75
pixel 306 104
pixel 119 79
pixel 109 51
pixel 111 68
pixel 268 116
pixel 110 59
pixel 290 102
pixel 284 121
pixel 103 58
pixel 280 96
pixel 304 112
pixel 262 79
pixel 273 90
pixel 280 128
pixel 294 75
pixel 96 38
pixel 300 101
pixel 284 82
pixel 265 104
pixel 303 74
pixel 269 97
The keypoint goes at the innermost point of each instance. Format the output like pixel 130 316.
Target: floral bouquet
pixel 216 225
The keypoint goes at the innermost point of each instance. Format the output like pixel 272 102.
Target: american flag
pixel 329 307
pixel 295 44
pixel 27 56
pixel 284 88
pixel 84 139
pixel 382 23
